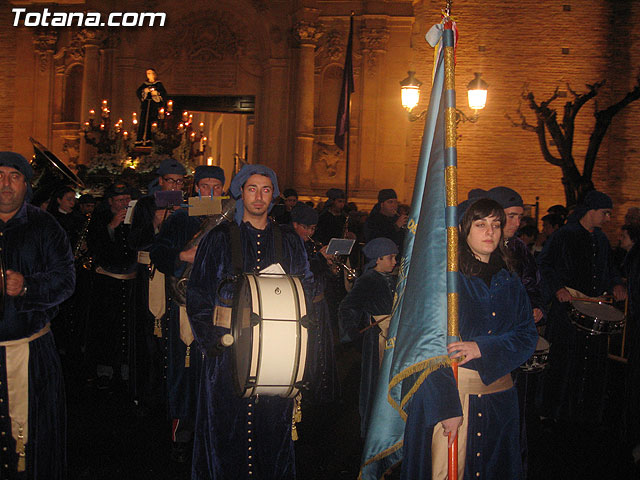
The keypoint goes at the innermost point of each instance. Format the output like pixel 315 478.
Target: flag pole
pixel 451 186
pixel 348 132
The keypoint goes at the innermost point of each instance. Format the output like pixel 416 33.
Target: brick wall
pixel 521 43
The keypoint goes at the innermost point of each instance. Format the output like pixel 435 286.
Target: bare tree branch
pixel 523 120
pixel 542 140
pixel 603 120
pixel 571 110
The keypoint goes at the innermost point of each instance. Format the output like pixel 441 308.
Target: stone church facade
pixel 289 55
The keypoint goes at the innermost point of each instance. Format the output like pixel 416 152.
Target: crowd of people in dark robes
pixel 129 324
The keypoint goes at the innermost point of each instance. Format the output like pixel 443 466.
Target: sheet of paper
pixel 274 268
pixel 204 206
pixel 129 215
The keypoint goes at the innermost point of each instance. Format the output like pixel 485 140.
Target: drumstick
pixel 592 300
pixel 373 324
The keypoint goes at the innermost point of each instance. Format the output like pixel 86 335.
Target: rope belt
pixel 117 276
pixel 17 366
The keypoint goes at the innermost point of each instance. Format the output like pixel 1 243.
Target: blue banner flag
pixel 417 339
pixel 344 107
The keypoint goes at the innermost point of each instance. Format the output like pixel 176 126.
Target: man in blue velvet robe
pixel 39 275
pixel 321 375
pixel 146 221
pixel 183 363
pixel 110 328
pixel 578 256
pixel 370 299
pixel 235 437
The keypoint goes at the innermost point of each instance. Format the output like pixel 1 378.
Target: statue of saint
pixel 152 95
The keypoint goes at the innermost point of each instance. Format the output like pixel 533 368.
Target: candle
pixel 134 118
pixel 170 106
pixel 125 135
pixel 209 161
pixel 161 114
pixel 102 126
pixel 154 126
pixel 86 126
pixel 104 103
pixel 185 116
pixel 193 136
pixel 92 113
pixel 204 141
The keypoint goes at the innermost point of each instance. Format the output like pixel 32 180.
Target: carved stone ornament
pixel 307 33
pixel 212 37
pixel 44 44
pixel 334 45
pixel 71 147
pixel 91 36
pixel 373 42
pixel 326 160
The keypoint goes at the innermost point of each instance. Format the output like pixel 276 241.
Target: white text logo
pixel 88 19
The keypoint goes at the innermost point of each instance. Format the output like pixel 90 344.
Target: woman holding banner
pixel 497 335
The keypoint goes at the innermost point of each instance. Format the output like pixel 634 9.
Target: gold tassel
pixel 297 416
pixel 187 359
pixel 157 328
pixel 22 456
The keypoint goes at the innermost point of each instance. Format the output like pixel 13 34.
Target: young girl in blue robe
pixel 497 335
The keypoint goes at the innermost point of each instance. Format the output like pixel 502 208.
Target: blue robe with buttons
pixel 575 382
pixel 499 319
pixel 35 245
pixel 238 438
pixel 182 382
pixel 372 294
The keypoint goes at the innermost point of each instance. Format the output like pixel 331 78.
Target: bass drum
pixel 270 340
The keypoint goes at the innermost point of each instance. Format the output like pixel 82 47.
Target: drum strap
pixel 236 246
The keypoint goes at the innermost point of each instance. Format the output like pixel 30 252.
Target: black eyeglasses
pixel 171 181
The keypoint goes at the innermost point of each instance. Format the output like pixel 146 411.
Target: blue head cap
pixel 235 189
pixel 17 161
pixel 376 248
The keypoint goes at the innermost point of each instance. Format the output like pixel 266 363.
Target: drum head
pixel 242 333
pixel 600 311
pixel 542 345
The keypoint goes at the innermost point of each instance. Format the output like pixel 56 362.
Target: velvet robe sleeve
pixel 142 232
pixel 36 246
pixel 529 273
pixel 210 268
pixel 55 282
pixel 175 233
pixel 369 296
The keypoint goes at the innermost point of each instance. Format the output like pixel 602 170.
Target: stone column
pixel 91 74
pixel 374 36
pixel 107 67
pixel 307 35
pixel 44 46
pixel 91 40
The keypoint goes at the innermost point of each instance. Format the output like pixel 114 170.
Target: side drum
pixel 539 359
pixel 270 340
pixel 596 318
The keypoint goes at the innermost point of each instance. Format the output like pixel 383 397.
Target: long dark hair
pixel 54 202
pixel 481 208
